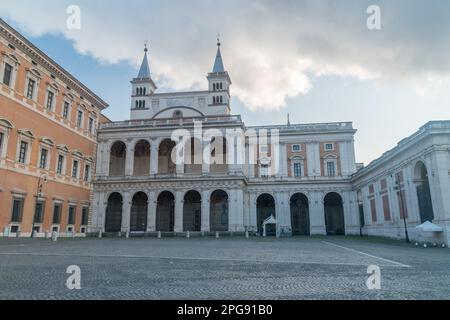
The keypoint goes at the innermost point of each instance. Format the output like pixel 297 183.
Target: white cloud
pixel 271 49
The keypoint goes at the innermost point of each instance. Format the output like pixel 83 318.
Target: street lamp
pixel 41 180
pixel 398 187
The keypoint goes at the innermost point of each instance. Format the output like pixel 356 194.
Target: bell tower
pixel 142 87
pixel 219 83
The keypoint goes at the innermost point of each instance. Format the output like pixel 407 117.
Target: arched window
pixel 214 87
pixel 137 104
pixel 178 114
pixel 143 104
pixel 214 100
pixel 140 103
pixel 220 86
pixel 145 91
pixel 137 91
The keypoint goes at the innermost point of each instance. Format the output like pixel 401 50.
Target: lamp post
pixel 398 187
pixel 41 180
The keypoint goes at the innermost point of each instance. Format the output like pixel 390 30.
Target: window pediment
pixel 300 158
pixel 11 57
pixel 77 154
pixel 34 73
pixel 27 133
pixel 47 141
pixel 63 148
pixel 6 123
pixel 330 156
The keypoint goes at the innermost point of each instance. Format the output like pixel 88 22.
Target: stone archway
pixel 334 214
pixel 192 211
pixel 165 163
pixel 141 158
pixel 113 215
pixel 422 182
pixel 138 214
pixel 117 159
pixel 165 212
pixel 265 207
pixel 299 214
pixel 218 212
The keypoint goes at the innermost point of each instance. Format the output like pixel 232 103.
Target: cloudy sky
pixel 314 59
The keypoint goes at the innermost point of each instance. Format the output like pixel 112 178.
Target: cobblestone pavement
pixel 226 268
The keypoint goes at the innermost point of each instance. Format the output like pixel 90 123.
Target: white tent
pixel 427 226
pixel 429 232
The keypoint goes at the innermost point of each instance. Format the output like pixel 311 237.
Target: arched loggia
pixel 299 214
pixel 138 215
pixel 113 215
pixel 192 211
pixel 334 214
pixel 218 212
pixel 265 207
pixel 421 179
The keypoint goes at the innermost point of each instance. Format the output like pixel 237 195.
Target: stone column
pixel 317 213
pixel 106 157
pixel 205 226
pixel 154 158
pixel 440 186
pixel 98 209
pixel 351 212
pixel 282 213
pixel 239 211
pixel 151 212
pixel 206 159
pixel 178 225
pixel 129 161
pixel 126 211
pixel 253 213
pixel 411 201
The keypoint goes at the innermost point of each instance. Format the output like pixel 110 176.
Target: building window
pixel 331 171
pixel 50 98
pixel 85 216
pixel 75 169
pixel 60 164
pixel 56 213
pixel 30 89
pixel 17 210
pixel 386 210
pixel 39 212
pixel 178 114
pixel 71 217
pixel 329 146
pixel 373 210
pixel 91 125
pixel 23 152
pixel 7 75
pixel 296 148
pixel 79 118
pixel 263 149
pixel 43 159
pixel 2 137
pixel 87 172
pixel 264 170
pixel 297 169
pixel 66 108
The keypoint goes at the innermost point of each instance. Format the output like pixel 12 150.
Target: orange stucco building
pixel 48 124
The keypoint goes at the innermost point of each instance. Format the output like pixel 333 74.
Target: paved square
pixel 226 268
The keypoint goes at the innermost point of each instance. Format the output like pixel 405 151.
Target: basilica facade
pixel 184 162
